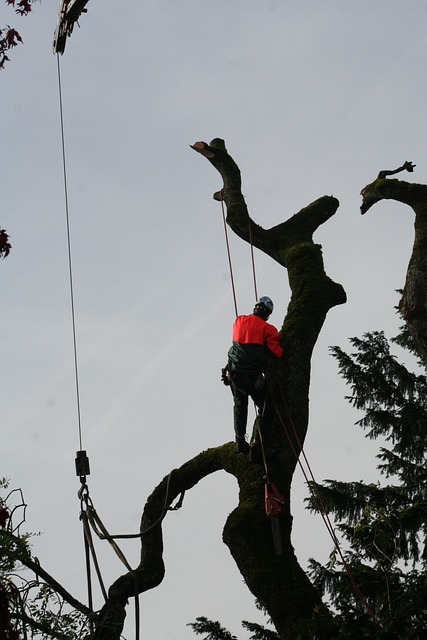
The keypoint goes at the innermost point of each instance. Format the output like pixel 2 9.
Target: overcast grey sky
pixel 312 98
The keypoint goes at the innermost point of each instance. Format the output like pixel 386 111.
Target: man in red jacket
pixel 254 342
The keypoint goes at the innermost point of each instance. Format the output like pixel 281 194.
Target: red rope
pixel 320 505
pixel 229 256
pixel 253 259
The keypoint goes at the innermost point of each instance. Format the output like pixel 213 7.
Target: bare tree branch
pixel 413 304
pixel 42 573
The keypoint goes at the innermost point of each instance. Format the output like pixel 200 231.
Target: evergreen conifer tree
pixel 383 525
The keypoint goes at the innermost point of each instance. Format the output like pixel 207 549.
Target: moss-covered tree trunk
pixel 413 304
pixel 278 582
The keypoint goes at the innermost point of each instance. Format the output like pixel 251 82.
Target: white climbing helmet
pixel 266 302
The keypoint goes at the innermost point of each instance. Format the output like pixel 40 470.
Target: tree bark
pixel 278 582
pixel 413 304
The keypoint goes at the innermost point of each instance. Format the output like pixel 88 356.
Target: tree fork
pixel 278 582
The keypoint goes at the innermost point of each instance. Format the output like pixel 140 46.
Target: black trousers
pixel 243 386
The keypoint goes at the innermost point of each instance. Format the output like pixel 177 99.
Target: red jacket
pixel 254 340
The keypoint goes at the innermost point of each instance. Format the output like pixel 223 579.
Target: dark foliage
pixel 29 607
pixel 385 526
pixel 215 631
pixel 5 245
pixel 9 37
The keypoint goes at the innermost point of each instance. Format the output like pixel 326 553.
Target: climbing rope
pixel 252 259
pixel 270 489
pixel 230 266
pixel 312 484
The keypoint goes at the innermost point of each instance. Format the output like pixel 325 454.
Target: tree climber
pixel 254 342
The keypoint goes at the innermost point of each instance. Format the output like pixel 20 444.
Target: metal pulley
pixel 82 465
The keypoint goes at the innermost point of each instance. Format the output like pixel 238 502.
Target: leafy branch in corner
pixel 9 37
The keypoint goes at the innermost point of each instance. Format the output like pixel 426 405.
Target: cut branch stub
pixel 369 193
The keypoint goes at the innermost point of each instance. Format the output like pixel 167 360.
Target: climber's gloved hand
pixel 225 376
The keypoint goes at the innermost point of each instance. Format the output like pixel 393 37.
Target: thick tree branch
pixel 247 533
pixel 56 586
pixel 413 304
pixel 275 241
pixel 150 571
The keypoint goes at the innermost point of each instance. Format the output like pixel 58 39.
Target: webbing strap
pixel 90 520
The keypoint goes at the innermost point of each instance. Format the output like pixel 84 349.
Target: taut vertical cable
pixel 70 269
